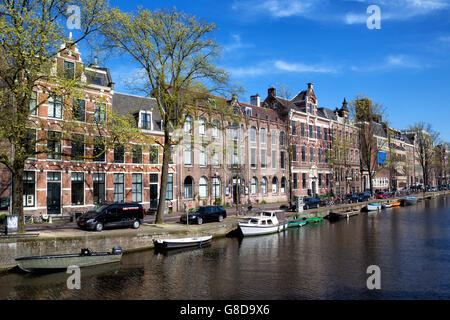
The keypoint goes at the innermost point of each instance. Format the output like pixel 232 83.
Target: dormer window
pixel 248 111
pixel 69 70
pixel 146 120
pixel 310 108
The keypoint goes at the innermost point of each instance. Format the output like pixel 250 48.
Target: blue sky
pixel 405 65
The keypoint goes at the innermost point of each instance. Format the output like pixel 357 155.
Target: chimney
pixel 272 92
pixel 255 100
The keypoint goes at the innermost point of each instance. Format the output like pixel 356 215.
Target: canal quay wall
pixel 60 241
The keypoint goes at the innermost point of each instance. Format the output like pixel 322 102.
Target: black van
pixel 112 215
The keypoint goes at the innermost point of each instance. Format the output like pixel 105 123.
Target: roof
pixel 378 130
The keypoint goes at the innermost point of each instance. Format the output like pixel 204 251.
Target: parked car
pixel 381 195
pixel 432 189
pixel 309 203
pixel 205 214
pixel 363 197
pixel 112 215
pixel 352 198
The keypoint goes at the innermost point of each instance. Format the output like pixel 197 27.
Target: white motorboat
pixel 373 207
pixel 182 242
pixel 264 223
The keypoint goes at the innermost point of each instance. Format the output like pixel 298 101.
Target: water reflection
pixel 321 261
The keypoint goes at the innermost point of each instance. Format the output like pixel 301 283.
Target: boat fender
pixel 117 250
pixel 85 252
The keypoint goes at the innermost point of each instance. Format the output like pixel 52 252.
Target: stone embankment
pixel 61 241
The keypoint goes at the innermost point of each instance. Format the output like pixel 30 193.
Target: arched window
pixel 254 186
pixel 262 135
pixel 274 185
pixel 188 124
pixel 283 185
pixel 264 186
pixel 253 134
pixel 188 187
pixel 281 138
pixel 203 188
pixel 216 188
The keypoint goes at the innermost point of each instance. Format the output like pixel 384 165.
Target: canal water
pixel 324 261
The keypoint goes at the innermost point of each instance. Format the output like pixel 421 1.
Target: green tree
pixel 31 34
pixel 175 52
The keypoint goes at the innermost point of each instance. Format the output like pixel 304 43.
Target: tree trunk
pixel 164 174
pixel 17 197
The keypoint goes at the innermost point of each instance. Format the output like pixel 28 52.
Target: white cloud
pixel 390 62
pixel 276 8
pixel 236 44
pixel 444 39
pixel 303 68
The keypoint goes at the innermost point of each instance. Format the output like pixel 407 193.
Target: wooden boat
pixel 335 216
pixel 295 223
pixel 395 204
pixel 386 206
pixel 373 206
pixel 62 261
pixel 182 242
pixel 408 201
pixel 264 223
pixel 314 219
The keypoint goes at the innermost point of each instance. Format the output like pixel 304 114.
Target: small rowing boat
pixel 182 242
pixel 314 219
pixel 408 201
pixel 295 223
pixel 395 204
pixel 62 261
pixel 386 206
pixel 373 206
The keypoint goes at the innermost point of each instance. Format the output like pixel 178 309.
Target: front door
pixel 54 197
pixel 313 188
pixel 153 196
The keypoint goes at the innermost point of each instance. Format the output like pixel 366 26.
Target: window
pixel 319 155
pixel 171 156
pixel 283 185
pixel 99 149
pixel 137 154
pixel 69 70
pixel 154 155
pixel 119 188
pixel 30 141
pixel 294 153
pixel 282 138
pixel 302 129
pixel 99 112
pixel 188 188
pixel 327 177
pixel 215 156
pixel 311 154
pixel 303 154
pixel 325 134
pixel 202 150
pixel 188 154
pixel 203 188
pixel 55 107
pixel 263 158
pixel 264 186
pixel 202 126
pixel 169 191
pixel 253 134
pixel 77 147
pixel 253 158
pixel 320 180
pixel 54 145
pixel 188 124
pixel 33 103
pixel 319 133
pixel 262 135
pixel 119 153
pixel 295 181
pixel 311 135
pixel 254 186
pixel 274 137
pixel 77 179
pixel 136 187
pixel 304 180
pixel 216 188
pixel 235 132
pixel 216 129
pixel 29 185
pixel 79 110
pixel 99 194
pixel 248 111
pixel 274 185
pixel 282 158
pixel 294 128
pixel 274 159
pixel 146 120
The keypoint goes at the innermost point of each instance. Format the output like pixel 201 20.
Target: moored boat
pixel 264 223
pixel 314 219
pixel 55 262
pixel 373 206
pixel 395 204
pixel 295 223
pixel 335 216
pixel 408 201
pixel 386 206
pixel 182 242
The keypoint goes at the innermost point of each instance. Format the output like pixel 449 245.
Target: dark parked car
pixel 112 215
pixel 364 197
pixel 311 203
pixel 205 214
pixel 352 198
